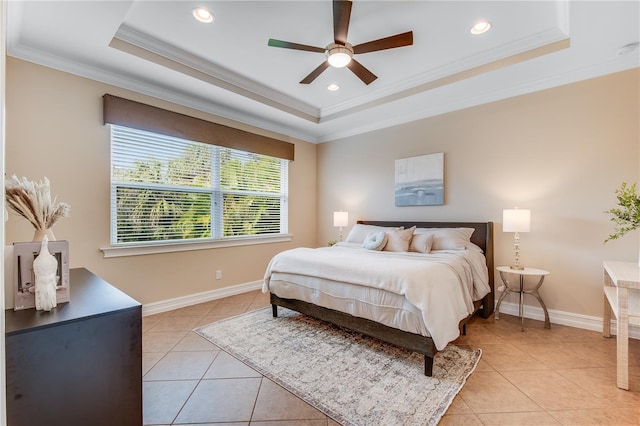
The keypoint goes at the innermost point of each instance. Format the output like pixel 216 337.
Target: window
pixel 166 190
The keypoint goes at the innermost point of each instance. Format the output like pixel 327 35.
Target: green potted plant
pixel 627 215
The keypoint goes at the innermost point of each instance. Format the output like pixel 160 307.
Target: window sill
pixel 139 250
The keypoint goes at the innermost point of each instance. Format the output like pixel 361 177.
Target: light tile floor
pixel 538 377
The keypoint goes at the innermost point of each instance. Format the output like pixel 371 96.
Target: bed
pixel 417 313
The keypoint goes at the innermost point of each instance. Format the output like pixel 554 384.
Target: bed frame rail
pixel 413 342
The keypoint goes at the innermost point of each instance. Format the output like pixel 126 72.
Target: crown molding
pixel 433 109
pixel 528 47
pixel 15 9
pixel 554 37
pixel 142 45
pixel 102 75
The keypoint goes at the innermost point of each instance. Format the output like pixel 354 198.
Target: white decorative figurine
pixel 45 267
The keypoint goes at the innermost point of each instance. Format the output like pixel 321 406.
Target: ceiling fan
pixel 340 52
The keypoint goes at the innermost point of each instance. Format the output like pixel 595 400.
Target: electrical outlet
pixel 218 274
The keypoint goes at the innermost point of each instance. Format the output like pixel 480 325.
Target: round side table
pixel 521 273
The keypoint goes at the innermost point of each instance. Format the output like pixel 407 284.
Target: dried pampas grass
pixel 32 200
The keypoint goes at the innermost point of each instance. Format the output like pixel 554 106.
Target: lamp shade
pixel 516 220
pixel 340 218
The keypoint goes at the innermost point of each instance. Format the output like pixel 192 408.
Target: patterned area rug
pixel 353 379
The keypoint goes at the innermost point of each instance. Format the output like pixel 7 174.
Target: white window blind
pixel 165 189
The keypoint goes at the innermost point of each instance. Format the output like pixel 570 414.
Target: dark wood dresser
pixel 81 363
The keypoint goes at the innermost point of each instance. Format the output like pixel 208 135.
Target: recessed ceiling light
pixel 203 15
pixel 333 87
pixel 480 27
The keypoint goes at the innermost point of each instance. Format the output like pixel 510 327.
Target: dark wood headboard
pixel 482 237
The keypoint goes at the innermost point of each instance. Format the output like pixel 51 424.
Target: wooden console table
pixel 81 363
pixel 622 298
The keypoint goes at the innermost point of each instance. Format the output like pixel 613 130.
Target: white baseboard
pixel 533 312
pixel 194 299
pixel 565 318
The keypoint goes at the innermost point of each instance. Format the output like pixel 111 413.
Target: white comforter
pixel 442 285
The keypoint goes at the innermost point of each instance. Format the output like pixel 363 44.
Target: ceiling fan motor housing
pixel 338 55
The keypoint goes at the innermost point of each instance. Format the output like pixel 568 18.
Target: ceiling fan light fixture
pixel 202 14
pixel 339 56
pixel 480 27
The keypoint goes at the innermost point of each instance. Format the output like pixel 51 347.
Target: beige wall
pixel 54 129
pixel 560 152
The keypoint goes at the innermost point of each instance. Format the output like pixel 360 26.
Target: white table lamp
pixel 340 219
pixel 516 220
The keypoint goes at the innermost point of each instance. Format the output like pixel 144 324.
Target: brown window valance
pixel 133 114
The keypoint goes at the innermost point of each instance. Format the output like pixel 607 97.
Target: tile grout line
pixel 503 333
pixel 255 402
pixel 195 387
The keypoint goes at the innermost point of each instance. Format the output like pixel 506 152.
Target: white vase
pixel 40 233
pixel 45 267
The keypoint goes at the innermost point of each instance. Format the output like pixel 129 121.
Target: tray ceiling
pixel 226 68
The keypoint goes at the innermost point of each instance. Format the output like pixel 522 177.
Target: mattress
pixel 374 304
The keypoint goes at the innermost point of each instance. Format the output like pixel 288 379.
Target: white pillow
pixel 360 231
pixel 421 243
pixel 375 240
pixel 399 239
pixel 448 238
pixel 474 247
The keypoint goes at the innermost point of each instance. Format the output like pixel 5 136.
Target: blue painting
pixel 420 180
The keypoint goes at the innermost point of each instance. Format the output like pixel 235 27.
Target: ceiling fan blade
pixel 398 40
pixel 341 17
pixel 315 73
pixel 296 46
pixel 363 74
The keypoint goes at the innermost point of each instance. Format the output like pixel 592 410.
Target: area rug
pixel 354 379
